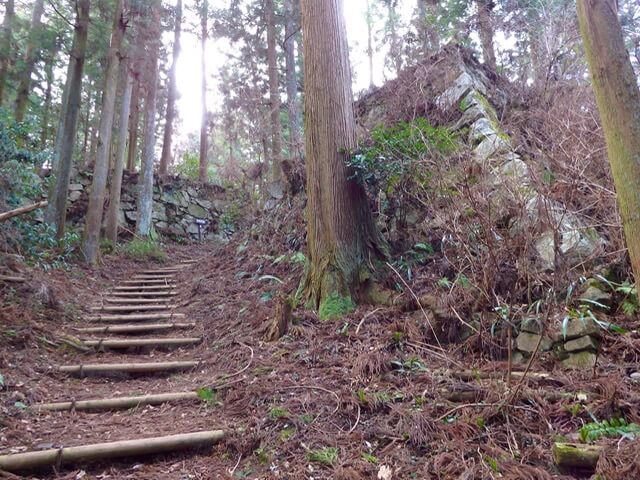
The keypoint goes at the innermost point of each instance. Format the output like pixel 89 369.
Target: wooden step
pixel 148 282
pixel 140 342
pixel 153 367
pixel 137 301
pixel 145 288
pixel 125 294
pixel 161 271
pixel 134 317
pixel 154 277
pixel 141 328
pixel 116 403
pixel 132 308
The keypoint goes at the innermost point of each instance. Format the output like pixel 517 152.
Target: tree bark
pixel 291 79
pixel 485 31
pixel 165 157
pixel 342 237
pixel 369 19
pixel 5 46
pixel 116 177
pixel 134 119
pixel 274 92
pixel 204 123
pixel 30 57
pixel 618 98
pixel 57 209
pixel 91 240
pixel 145 181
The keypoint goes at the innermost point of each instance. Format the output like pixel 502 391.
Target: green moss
pixel 335 306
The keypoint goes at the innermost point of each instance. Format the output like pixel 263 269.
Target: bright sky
pixel 189 63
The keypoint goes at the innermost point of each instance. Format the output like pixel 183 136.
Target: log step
pixel 141 281
pixel 130 294
pixel 154 367
pixel 117 403
pixel 154 277
pixel 143 328
pixel 100 451
pixel 131 308
pixel 145 288
pixel 161 271
pixel 134 317
pixel 137 301
pixel 141 342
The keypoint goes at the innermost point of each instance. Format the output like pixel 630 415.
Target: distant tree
pixel 204 122
pixel 342 238
pixel 5 45
pixel 618 98
pixel 30 59
pixel 274 91
pixel 293 106
pixel 485 31
pixel 93 223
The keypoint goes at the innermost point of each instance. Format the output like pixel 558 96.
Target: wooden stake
pixel 100 451
pixel 22 210
pixel 132 308
pixel 135 328
pixel 118 403
pixel 128 367
pixel 134 317
pixel 140 342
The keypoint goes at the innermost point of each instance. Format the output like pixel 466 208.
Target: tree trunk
pixel 5 46
pixel 49 79
pixel 616 89
pixel 118 167
pixel 395 42
pixel 369 19
pixel 30 57
pixel 485 31
pixel 91 240
pixel 274 92
pixel 291 79
pixel 134 119
pixel 427 30
pixel 204 148
pixel 145 180
pixel 57 210
pixel 342 237
pixel 165 158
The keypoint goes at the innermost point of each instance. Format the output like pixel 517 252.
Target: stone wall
pixel 177 204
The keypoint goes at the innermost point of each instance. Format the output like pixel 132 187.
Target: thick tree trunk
pixel 342 237
pixel 93 224
pixel 165 157
pixel 118 167
pixel 204 123
pixel 291 79
pixel 57 210
pixel 485 31
pixel 274 92
pixel 618 98
pixel 145 180
pixel 134 120
pixel 5 45
pixel 30 58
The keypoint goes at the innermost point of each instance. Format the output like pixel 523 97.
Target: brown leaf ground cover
pixel 346 399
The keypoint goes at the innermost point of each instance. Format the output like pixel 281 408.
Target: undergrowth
pixel 144 249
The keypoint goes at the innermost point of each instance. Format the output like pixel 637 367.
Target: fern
pixel 616 427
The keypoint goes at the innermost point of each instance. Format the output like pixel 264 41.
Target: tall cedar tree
pixel 91 238
pixel 618 98
pixel 274 92
pixel 5 46
pixel 30 58
pixel 485 31
pixel 291 78
pixel 172 96
pixel 342 237
pixel 204 122
pixel 134 120
pixel 56 210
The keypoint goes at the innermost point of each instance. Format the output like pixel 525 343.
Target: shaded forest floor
pixel 355 398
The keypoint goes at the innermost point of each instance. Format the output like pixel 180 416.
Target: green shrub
pixel 144 249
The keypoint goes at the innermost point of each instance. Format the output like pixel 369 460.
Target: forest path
pixel 138 318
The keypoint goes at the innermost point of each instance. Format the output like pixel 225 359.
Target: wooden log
pixel 137 301
pixel 118 403
pixel 133 294
pixel 161 271
pixel 150 327
pixel 140 342
pixel 477 375
pixel 134 317
pixel 141 282
pixel 7 278
pixel 132 308
pixel 154 277
pixel 22 210
pixel 101 451
pixel 145 288
pixel 576 455
pixel 153 367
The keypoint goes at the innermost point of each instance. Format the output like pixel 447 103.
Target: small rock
pixel 75 195
pixel 596 297
pixel 526 342
pixel 577 327
pixel 73 187
pixel 584 360
pixel 531 325
pixel 581 343
pixel 635 376
pixel 518 357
